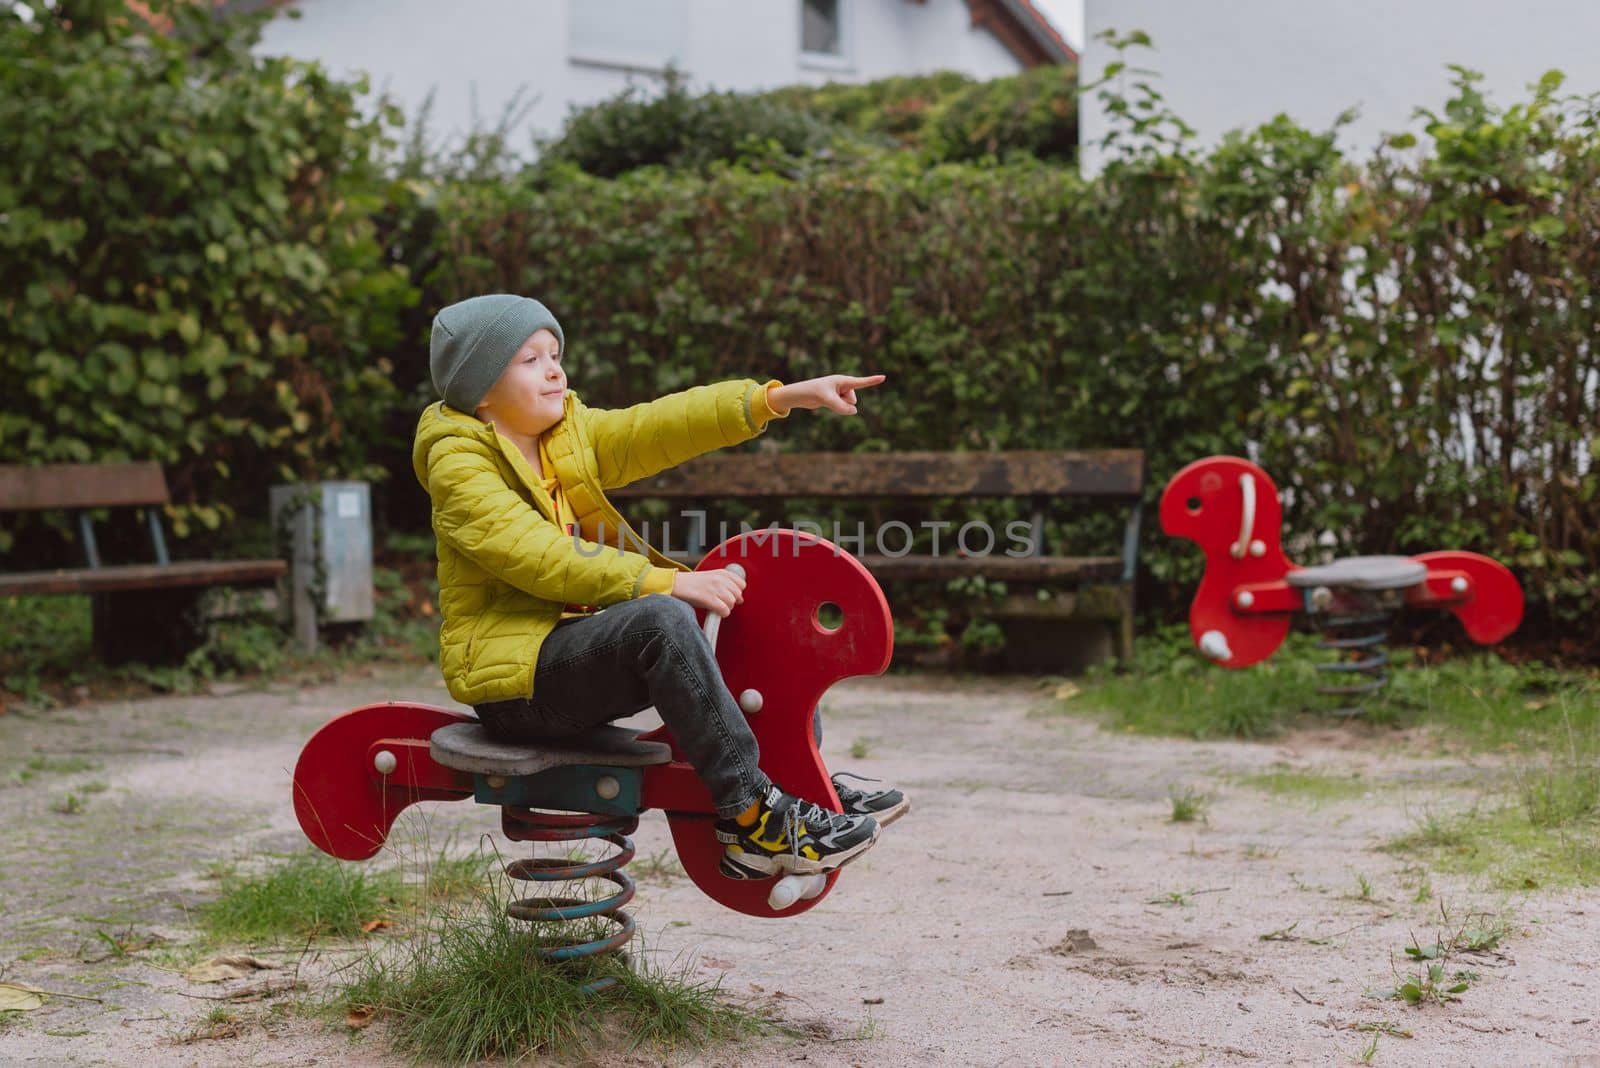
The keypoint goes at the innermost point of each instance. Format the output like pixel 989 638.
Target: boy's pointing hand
pixel 834 392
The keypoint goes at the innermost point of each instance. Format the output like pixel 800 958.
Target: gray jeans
pixel 639 653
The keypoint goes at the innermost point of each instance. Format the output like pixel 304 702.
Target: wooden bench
pixel 1099 588
pixel 147 612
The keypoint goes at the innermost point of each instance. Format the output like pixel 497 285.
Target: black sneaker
pixel 885 806
pixel 791 836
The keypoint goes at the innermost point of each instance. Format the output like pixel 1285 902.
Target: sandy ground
pixel 1036 907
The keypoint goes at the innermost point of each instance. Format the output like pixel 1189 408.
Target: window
pixel 635 34
pixel 822 28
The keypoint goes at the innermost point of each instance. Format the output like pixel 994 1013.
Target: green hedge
pixel 942 117
pixel 190 272
pixel 682 129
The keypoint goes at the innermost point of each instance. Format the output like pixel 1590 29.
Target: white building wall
pixel 1223 66
pixel 484 51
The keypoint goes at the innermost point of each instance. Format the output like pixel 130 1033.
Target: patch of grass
pixel 1171 689
pixel 218 1024
pixel 1562 787
pixel 1384 1027
pixel 446 877
pixel 44 638
pixel 1307 784
pixel 70 805
pixel 1433 832
pixel 1363 887
pixel 472 985
pixel 861 748
pixel 70 765
pixel 1178 898
pixel 1429 986
pixel 307 896
pixel 1492 704
pixel 662 864
pixel 36 766
pixel 1188 805
pixel 1479 699
pixel 1477 933
pixel 1507 848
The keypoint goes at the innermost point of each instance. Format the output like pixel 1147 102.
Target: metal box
pixel 325 528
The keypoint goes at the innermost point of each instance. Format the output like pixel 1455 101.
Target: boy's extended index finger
pixel 860 383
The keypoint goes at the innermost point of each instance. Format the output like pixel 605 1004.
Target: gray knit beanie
pixel 474 340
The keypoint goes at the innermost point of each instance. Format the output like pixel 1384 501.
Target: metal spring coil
pixel 528 825
pixel 1363 633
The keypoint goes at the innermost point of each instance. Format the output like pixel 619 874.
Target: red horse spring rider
pixel 1250 592
pixel 362 768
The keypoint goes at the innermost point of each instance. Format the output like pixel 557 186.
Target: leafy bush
pixel 942 117
pixel 190 273
pixel 678 128
pixel 897 108
pixel 1034 114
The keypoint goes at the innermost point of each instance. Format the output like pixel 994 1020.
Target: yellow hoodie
pixel 507 569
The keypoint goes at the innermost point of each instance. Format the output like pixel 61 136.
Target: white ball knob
pixel 738 569
pixel 1214 644
pixel 384 762
pixel 1258 548
pixel 1246 599
pixel 607 787
pixel 751 701
pixel 791 888
pixel 1458 585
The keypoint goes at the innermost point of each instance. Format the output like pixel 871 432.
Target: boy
pixel 516 466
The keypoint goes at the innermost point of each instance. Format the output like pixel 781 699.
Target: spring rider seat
pixel 362 768
pixel 1250 593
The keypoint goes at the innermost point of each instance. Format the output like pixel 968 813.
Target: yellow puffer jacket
pixel 506 569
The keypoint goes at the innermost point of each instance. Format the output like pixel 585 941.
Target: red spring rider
pixel 1250 592
pixel 362 768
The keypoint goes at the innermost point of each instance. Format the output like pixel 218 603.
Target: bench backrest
pixel 1037 474
pixel 76 486
pixel 1031 473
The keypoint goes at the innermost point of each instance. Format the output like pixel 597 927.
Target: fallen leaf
pixel 19 997
pixel 375 925
pixel 713 962
pixel 1067 691
pixel 360 1016
pixel 221 969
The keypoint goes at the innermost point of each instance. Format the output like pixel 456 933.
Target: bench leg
pixel 147 626
pixel 1125 638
